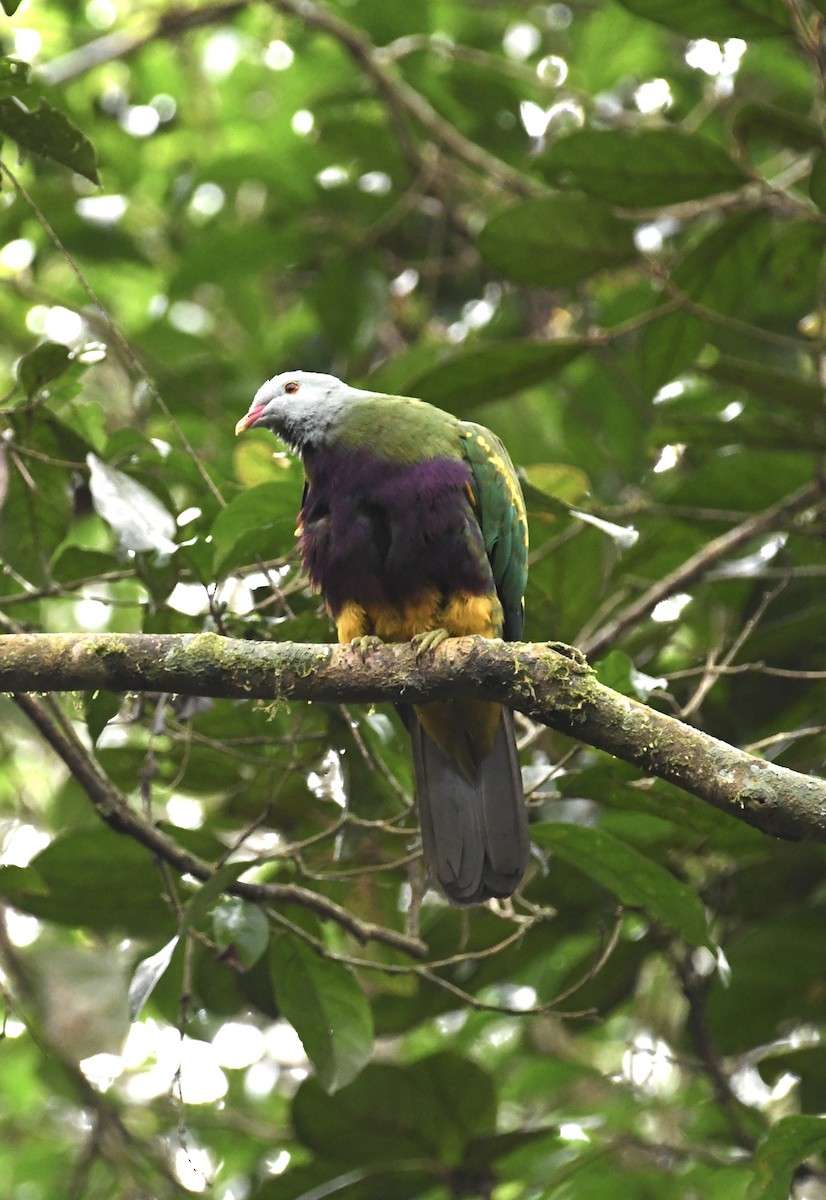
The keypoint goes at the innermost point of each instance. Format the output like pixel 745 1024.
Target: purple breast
pixel 380 532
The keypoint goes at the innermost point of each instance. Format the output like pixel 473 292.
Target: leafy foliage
pixel 598 229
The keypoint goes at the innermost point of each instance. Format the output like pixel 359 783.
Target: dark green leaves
pixel 817 181
pixel 36 126
pixel 643 169
pixel 430 1109
pixel 719 19
pixel 328 1010
pixel 487 373
pixel 100 881
pixel 268 206
pixel 786 1147
pixel 46 362
pixel 556 242
pixel 258 524
pixel 714 277
pixel 633 878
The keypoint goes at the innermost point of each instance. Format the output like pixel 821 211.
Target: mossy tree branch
pixel 550 683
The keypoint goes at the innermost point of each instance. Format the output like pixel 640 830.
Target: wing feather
pixel 501 512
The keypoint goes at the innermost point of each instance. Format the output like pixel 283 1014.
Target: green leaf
pixel 137 516
pixel 349 299
pixel 49 133
pixel 491 372
pixel 151 970
pixel 15 76
pixel 634 879
pixel 10 7
pixel 46 362
pixel 643 169
pixel 430 1109
pixel 817 181
pixel 98 709
pixel 202 899
pixel 614 670
pixel 258 523
pixel 715 274
pixel 787 1144
pixel 100 880
pixel 324 1003
pixel 779 126
pixel 320 1179
pixel 717 19
pixel 554 487
pixel 768 382
pixel 19 883
pixel 557 241
pixel 240 929
pixel 148 974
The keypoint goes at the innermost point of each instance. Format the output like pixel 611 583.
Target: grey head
pixel 302 407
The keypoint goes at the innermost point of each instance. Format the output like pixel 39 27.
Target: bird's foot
pixel 364 644
pixel 425 642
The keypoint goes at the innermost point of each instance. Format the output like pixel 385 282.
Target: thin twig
pixel 698 565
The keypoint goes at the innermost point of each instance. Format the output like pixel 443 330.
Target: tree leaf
pixel 487 373
pixel 49 133
pixel 557 241
pixel 98 709
pixel 137 516
pixel 768 123
pixel 18 883
pixel 717 19
pixel 320 1179
pixel 714 273
pixel 642 169
pixel 784 1148
pixel 327 1008
pixel 240 928
pixel 151 970
pixel 46 362
pixel 258 523
pixel 100 880
pixel 770 383
pixel 817 181
pixel 634 879
pixel 148 974
pixel 430 1109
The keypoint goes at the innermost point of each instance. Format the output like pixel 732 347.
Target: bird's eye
pixel 291 387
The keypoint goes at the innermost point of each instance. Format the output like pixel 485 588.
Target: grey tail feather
pixel 474 835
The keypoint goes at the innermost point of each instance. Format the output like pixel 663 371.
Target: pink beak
pixel 250 419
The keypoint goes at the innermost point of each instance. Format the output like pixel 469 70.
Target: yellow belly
pixel 464 729
pixel 460 615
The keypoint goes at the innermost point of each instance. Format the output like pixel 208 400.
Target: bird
pixel 412 526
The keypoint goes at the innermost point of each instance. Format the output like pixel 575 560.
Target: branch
pixel 113 807
pixel 699 564
pixel 121 44
pixel 549 683
pixel 405 100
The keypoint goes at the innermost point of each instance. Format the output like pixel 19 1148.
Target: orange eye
pixel 291 387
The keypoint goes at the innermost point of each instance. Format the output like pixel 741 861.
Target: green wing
pixel 501 512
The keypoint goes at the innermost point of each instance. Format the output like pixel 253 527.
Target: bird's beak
pixel 249 420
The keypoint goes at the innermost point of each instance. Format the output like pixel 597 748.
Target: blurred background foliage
pixel 597 228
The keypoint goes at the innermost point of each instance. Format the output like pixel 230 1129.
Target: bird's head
pixel 302 407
